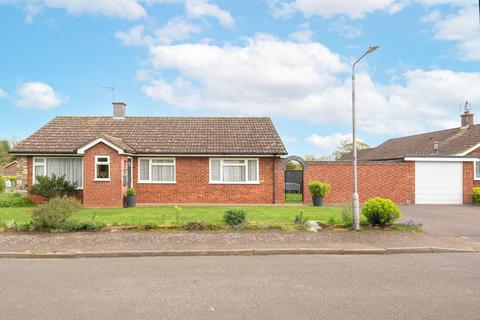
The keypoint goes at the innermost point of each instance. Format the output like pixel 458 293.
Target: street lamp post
pixel 355 198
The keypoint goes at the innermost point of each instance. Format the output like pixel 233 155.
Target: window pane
pixel 477 171
pixel 162 161
pixel 163 173
pixel 102 159
pixel 233 173
pixel 252 170
pixel 71 168
pixel 39 171
pixel 39 160
pixel 103 171
pixel 215 170
pixel 144 170
pixel 233 162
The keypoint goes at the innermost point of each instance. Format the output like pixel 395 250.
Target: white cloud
pixel 126 9
pixel 327 144
pixel 37 95
pixel 328 8
pixel 305 81
pixel 177 29
pixel 2 93
pixel 461 27
pixel 202 8
pixel 345 29
pixel 303 34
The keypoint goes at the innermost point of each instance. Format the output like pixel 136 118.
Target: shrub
pixel 200 226
pixel 14 200
pixel 55 212
pixel 130 192
pixel 318 188
pixel 52 187
pixel 476 195
pixel 235 217
pixel 2 184
pixel 347 217
pixel 299 218
pixel 381 212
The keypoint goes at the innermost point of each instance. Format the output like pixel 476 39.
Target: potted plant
pixel 130 198
pixel 318 190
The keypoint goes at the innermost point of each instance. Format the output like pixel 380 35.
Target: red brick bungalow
pixel 166 159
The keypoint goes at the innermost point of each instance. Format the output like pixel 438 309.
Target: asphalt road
pixel 421 286
pixel 445 220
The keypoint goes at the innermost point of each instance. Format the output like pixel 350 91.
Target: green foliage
pixel 179 217
pixel 406 227
pixel 72 226
pixel 235 217
pixel 346 214
pixel 346 147
pixel 476 195
pixel 130 192
pixel 293 165
pixel 56 212
pixel 318 188
pixel 52 187
pixel 5 156
pixel 2 184
pixel 332 221
pixel 293 198
pixel 200 226
pixel 299 218
pixel 380 211
pixel 15 200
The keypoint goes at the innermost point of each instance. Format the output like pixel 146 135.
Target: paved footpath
pixel 420 286
pixel 151 241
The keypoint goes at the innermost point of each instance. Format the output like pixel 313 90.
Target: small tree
pixel 51 187
pixel 346 147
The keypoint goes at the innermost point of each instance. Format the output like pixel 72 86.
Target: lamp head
pixel 372 48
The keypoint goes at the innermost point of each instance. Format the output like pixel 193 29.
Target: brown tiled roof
pixel 451 142
pixel 164 135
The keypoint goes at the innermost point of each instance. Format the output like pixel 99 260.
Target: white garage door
pixel 439 182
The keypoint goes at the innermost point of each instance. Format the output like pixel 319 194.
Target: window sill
pixel 101 180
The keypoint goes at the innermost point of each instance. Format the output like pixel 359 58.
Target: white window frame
pixel 45 169
pixel 150 164
pixel 102 163
pixel 476 173
pixel 234 182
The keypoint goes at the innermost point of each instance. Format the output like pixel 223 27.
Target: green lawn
pixel 293 198
pixel 166 214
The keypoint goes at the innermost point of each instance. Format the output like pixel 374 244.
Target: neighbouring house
pixel 224 160
pixel 439 167
pixel 10 169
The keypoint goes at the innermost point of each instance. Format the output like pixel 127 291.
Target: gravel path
pixel 161 240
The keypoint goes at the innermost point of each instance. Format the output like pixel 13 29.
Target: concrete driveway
pixel 445 220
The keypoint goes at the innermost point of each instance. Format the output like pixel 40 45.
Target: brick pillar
pixel 23 182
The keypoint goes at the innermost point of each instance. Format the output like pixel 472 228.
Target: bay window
pixel 156 170
pixel 71 168
pixel 234 171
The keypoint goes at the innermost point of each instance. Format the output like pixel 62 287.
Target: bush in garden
pixel 235 217
pixel 52 187
pixel 14 200
pixel 318 188
pixel 55 212
pixel 73 226
pixel 380 211
pixel 2 184
pixel 476 195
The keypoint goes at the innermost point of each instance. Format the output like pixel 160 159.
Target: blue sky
pixel 287 59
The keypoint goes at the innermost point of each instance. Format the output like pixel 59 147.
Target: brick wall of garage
pixel 192 185
pixel 393 180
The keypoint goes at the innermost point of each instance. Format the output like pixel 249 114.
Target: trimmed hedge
pixel 380 211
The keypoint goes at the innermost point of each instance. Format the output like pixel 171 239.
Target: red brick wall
pixel 468 175
pixel 393 180
pixel 192 185
pixel 103 193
